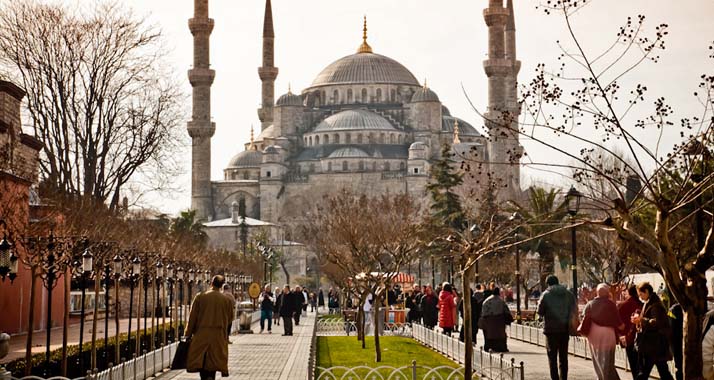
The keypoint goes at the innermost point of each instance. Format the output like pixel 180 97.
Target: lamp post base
pixel 4 374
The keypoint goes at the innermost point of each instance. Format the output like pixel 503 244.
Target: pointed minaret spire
pixel 457 140
pixel 268 72
pixel 364 48
pixel 201 128
pixel 252 139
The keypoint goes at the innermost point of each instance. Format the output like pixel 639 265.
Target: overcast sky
pixel 443 41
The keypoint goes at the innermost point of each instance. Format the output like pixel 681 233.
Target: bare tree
pixel 99 95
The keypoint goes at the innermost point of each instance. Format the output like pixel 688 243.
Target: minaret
pixel 268 72
pixel 503 109
pixel 200 128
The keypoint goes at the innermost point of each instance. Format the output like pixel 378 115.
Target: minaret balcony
pixel 498 67
pixel 496 16
pixel 201 77
pixel 198 129
pixel 268 73
pixel 201 25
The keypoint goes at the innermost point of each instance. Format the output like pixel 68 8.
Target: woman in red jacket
pixel 447 308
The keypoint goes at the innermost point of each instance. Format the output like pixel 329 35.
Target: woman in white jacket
pixel 708 346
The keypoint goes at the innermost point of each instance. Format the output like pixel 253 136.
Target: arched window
pixel 381 138
pixel 379 94
pixel 344 166
pixel 350 97
pixel 361 165
pixel 387 167
pixel 324 98
pixel 337 138
pixel 374 166
pixel 392 139
pixel 401 139
pixel 401 166
pixel 359 138
pixel 335 97
pixel 370 139
pixel 310 140
pixel 305 138
pixel 317 140
pixel 246 175
pixel 317 99
pixel 364 96
pixel 393 96
pixel 326 139
pixel 348 138
pixel 329 166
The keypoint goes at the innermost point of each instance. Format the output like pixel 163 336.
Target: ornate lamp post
pixel 191 279
pixel 8 260
pixel 170 285
pixel 87 266
pixel 133 277
pixel 146 283
pixel 180 278
pixel 572 199
pixel 118 268
pixel 159 277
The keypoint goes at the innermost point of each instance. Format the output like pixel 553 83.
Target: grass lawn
pixel 397 352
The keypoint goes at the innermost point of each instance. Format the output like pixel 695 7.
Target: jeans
pixel 633 360
pixel 287 326
pixel 646 365
pixel 266 314
pixel 557 348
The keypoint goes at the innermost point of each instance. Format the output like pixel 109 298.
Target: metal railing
pixel 487 365
pixel 410 372
pixel 338 327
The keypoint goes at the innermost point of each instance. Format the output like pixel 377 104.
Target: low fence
pixel 487 365
pixel 412 372
pixel 338 327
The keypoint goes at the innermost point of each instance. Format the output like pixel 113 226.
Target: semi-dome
pixel 445 110
pixel 349 152
pixel 289 99
pixel 418 146
pixel 365 68
pixel 354 120
pixel 425 94
pixel 465 129
pixel 268 133
pixel 246 159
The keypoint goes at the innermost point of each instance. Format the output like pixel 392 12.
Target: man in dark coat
pixel 412 303
pixel 653 332
pixel 557 306
pixel 298 299
pixel 476 304
pixel 429 310
pixel 286 308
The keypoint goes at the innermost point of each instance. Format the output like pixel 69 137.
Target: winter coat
pixel 320 298
pixel 211 313
pixel 429 310
pixel 447 305
pixel 286 305
pixel 708 347
pixel 625 310
pixel 652 339
pixel 495 315
pixel 476 305
pixel 556 307
pixel 412 303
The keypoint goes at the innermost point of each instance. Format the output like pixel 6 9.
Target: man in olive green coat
pixel 211 313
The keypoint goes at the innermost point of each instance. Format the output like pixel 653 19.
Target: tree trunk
pixel 65 321
pixel 468 342
pixel 692 344
pixel 377 348
pixel 31 325
pixel 285 270
pixel 94 321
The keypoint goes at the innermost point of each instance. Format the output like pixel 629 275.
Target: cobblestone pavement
pixel 265 356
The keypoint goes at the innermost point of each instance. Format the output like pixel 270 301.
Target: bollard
pixel 414 368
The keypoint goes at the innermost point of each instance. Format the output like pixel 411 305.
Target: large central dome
pixel 365 68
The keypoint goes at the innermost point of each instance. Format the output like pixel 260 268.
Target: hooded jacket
pixel 447 306
pixel 556 307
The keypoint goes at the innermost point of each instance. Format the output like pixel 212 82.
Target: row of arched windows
pixel 350 97
pixel 361 166
pixel 359 138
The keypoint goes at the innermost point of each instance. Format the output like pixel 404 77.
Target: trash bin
pixel 245 317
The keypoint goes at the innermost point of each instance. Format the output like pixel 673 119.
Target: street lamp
pixel 191 279
pixel 572 200
pixel 133 277
pixel 170 285
pixel 159 305
pixel 180 279
pixel 87 266
pixel 8 260
pixel 118 262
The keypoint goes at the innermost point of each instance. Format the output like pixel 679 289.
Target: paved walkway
pixel 265 356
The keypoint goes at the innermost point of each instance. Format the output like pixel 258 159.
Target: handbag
pixel 181 355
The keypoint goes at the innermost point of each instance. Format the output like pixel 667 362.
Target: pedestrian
pixel 228 293
pixel 708 346
pixel 276 313
pixel 412 303
pixel 557 307
pixel 495 315
pixel 631 306
pixel 297 299
pixel 447 305
pixel 286 308
pixel 211 313
pixel 367 308
pixel 429 308
pixel 333 301
pixel 677 323
pixel 476 305
pixel 653 331
pixel 313 302
pixel 601 321
pixel 266 301
pixel 306 299
pixel 320 299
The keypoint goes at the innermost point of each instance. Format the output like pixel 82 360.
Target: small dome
pixel 354 120
pixel 349 152
pixel 271 150
pixel 246 159
pixel 465 129
pixel 445 111
pixel 289 99
pixel 418 146
pixel 425 94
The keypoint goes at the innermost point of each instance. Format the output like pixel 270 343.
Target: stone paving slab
pixel 265 356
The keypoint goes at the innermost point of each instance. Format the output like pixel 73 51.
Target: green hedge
pixel 17 367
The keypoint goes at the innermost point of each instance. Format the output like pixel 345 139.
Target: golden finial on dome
pixel 426 86
pixel 364 48
pixel 290 89
pixel 456 132
pixel 252 139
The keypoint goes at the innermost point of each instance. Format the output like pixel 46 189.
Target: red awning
pixel 403 278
